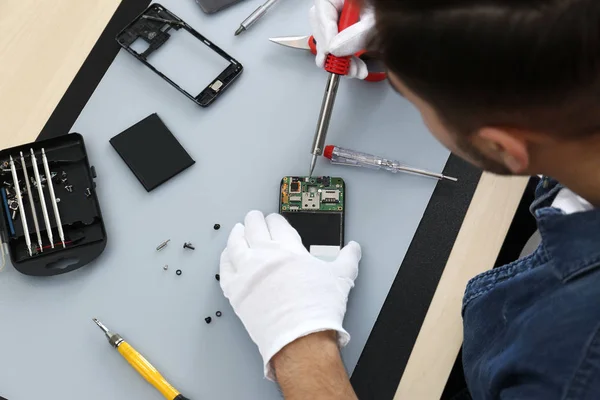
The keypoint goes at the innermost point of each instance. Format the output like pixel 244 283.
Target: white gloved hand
pixel 324 16
pixel 280 291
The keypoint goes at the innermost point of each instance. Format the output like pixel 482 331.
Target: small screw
pixel 88 192
pixel 188 246
pixel 217 227
pixel 208 320
pixel 178 272
pixel 58 199
pixel 69 188
pixel 163 245
pixel 218 313
pixel 218 277
pixel 166 267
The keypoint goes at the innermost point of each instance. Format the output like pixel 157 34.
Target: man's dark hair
pixel 529 64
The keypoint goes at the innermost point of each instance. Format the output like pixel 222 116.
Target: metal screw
pixel 166 267
pixel 188 246
pixel 163 245
pixel 218 277
pixel 208 320
pixel 217 227
pixel 69 188
pixel 88 192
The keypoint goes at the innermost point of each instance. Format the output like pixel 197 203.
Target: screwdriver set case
pixel 50 216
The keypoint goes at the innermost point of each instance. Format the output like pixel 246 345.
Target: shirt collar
pixel 572 242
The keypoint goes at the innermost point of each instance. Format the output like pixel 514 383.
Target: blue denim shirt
pixel 532 328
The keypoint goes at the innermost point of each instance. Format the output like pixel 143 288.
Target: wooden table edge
pixel 476 248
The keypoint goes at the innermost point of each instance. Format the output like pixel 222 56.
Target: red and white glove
pixel 279 290
pixel 324 16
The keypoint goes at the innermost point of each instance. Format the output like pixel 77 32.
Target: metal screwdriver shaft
pixel 31 205
pixel 112 337
pixel 333 83
pixel 38 183
pixel 21 208
pixel 61 234
pixel 255 16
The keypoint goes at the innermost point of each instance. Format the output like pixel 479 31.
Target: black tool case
pixel 79 210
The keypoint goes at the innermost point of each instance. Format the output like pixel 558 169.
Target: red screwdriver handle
pixel 350 15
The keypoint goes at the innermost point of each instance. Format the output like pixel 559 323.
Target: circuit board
pixel 316 194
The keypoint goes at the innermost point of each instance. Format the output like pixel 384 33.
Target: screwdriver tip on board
pixel 313 163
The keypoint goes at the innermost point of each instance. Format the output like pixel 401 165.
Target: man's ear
pixel 505 146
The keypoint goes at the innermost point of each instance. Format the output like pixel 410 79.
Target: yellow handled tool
pixel 141 365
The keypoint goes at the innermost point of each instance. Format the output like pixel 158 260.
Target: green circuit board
pixel 302 194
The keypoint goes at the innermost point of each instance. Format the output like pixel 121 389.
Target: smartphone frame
pixel 153 26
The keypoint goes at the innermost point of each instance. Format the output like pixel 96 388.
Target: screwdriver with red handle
pixel 336 66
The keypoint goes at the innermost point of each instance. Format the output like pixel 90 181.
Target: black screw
pixel 218 277
pixel 208 320
pixel 178 272
pixel 188 246
pixel 218 313
pixel 217 227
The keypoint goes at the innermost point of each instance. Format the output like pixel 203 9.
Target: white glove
pixel 324 16
pixel 280 291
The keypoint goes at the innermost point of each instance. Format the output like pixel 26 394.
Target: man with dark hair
pixel 512 86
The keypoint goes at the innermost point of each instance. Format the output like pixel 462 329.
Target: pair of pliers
pixel 310 44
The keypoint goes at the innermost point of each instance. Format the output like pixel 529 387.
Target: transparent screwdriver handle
pixel 358 159
pixel 342 156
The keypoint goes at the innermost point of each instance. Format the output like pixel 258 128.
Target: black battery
pixel 73 206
